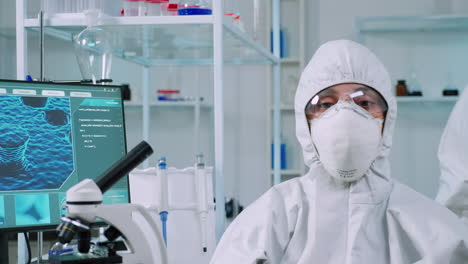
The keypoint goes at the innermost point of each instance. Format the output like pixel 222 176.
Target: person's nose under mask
pixel 347 140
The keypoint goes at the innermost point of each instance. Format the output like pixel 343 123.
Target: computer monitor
pixel 52 136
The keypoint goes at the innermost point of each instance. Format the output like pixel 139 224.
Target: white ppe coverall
pixel 314 219
pixel 453 157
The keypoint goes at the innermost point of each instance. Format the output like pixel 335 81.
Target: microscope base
pixel 73 259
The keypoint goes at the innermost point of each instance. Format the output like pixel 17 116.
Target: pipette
pixel 202 201
pixel 164 206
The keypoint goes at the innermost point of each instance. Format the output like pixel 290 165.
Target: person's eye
pixel 366 104
pixel 326 105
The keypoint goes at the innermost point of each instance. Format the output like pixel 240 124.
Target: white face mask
pixel 347 139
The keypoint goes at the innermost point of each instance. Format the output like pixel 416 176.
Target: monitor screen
pixel 52 136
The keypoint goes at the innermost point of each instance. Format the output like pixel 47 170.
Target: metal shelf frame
pixel 401 24
pixel 56 27
pixel 417 99
pixel 277 108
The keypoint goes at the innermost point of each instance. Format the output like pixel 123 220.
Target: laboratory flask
pixel 93 49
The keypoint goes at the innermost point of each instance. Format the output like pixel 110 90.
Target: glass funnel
pixel 93 49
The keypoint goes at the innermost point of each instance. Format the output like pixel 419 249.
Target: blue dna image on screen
pixel 2 211
pixel 32 209
pixel 28 127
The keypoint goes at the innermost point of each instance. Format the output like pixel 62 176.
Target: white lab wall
pixel 431 56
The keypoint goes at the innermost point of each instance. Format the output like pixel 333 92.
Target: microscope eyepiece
pixel 122 167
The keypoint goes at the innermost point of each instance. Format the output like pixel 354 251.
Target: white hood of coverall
pixel 352 63
pixel 453 157
pixel 313 219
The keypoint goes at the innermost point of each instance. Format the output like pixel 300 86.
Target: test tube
pixel 202 203
pixel 164 198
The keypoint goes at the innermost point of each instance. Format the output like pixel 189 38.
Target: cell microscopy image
pixel 32 209
pixel 2 211
pixel 35 143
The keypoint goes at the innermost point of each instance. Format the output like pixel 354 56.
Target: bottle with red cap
pixel 194 7
pixel 170 7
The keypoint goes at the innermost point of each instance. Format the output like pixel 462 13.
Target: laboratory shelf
pixel 292 60
pixel 400 99
pixel 419 99
pixel 165 40
pixel 290 172
pixel 284 107
pixel 7 33
pixel 168 104
pixel 288 107
pixel 395 24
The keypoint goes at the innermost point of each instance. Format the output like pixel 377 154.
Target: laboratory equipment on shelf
pixel 130 225
pixel 401 88
pixel 93 49
pixel 134 8
pixel 283 43
pixel 414 87
pixel 202 199
pixel 194 7
pixel 169 95
pixel 163 190
pixel 153 7
pixel 235 19
pixel 70 8
pixel 450 89
pixel 190 206
pixel 170 8
pixel 283 164
pixel 450 92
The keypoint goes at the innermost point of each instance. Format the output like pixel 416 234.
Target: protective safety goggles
pixel 365 97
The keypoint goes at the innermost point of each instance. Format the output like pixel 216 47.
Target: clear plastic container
pixel 69 8
pixel 153 7
pixel 194 7
pixel 134 7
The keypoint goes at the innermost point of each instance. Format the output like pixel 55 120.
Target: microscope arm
pixel 139 235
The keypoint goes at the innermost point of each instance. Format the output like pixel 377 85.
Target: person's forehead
pixel 346 88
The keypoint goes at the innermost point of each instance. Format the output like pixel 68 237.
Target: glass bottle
pixel 401 88
pixel 93 49
pixel 414 88
pixel 169 8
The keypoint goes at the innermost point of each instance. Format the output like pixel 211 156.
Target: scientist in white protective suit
pixel 347 209
pixel 453 158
